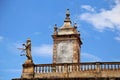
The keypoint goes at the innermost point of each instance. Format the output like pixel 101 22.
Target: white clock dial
pixel 65 52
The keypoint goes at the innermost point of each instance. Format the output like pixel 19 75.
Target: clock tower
pixel 67 42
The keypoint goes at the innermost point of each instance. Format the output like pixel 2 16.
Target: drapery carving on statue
pixel 28 49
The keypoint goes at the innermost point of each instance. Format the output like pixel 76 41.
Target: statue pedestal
pixel 28 70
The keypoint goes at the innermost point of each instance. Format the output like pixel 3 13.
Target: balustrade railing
pixel 71 67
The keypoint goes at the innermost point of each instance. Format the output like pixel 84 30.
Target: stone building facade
pixel 66 60
pixel 67 43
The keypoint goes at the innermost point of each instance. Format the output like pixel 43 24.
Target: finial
pixel 67 16
pixel 55 29
pixel 75 25
pixel 67 13
pixel 55 25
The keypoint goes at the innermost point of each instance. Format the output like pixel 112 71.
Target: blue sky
pixel 98 22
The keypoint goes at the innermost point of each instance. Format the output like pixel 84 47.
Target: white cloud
pixel 105 19
pixel 43 50
pixel 13 47
pixel 36 33
pixel 1 38
pixel 117 38
pixel 88 8
pixel 47 50
pixel 18 44
pixel 13 70
pixel 89 57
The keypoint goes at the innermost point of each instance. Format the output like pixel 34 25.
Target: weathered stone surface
pixel 66 60
pixel 67 43
pixel 28 70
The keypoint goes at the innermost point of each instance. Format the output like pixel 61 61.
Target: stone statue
pixel 28 49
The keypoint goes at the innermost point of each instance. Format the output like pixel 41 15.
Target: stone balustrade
pixel 79 70
pixel 71 67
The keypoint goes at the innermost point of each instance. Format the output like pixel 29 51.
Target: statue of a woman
pixel 28 49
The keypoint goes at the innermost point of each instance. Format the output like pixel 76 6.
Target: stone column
pixel 98 72
pixel 65 72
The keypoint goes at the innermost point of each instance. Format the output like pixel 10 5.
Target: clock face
pixel 65 52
